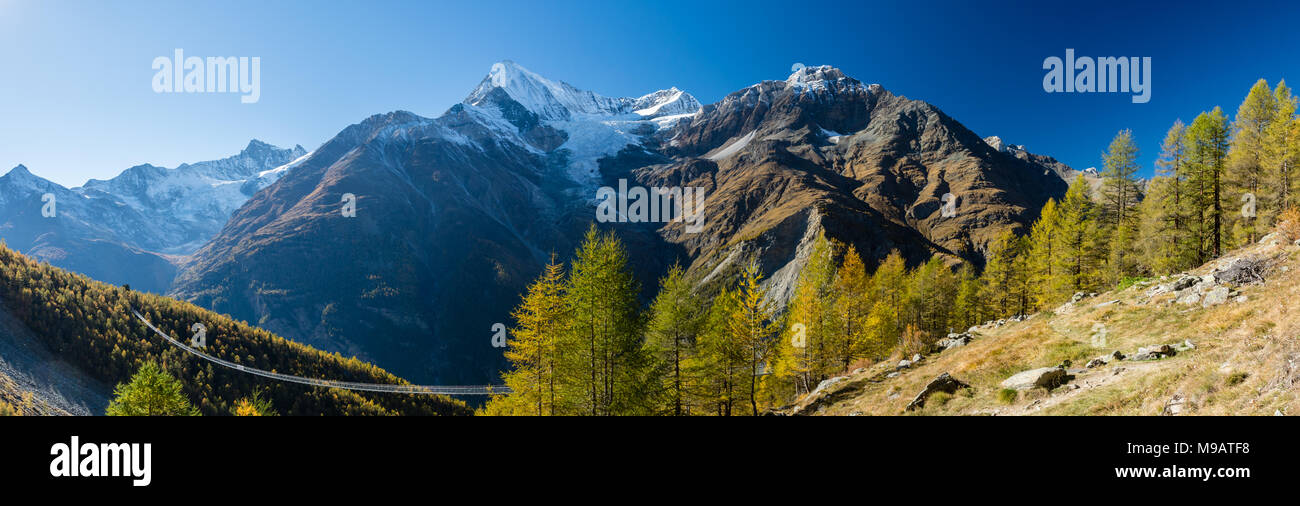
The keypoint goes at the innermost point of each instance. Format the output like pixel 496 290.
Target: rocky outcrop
pixel 942 383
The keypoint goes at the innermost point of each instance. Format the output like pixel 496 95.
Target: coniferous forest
pixel 90 325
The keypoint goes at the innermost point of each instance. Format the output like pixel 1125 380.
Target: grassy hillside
pixel 1246 359
pixel 89 324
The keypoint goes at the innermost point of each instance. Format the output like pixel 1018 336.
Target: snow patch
pixel 733 147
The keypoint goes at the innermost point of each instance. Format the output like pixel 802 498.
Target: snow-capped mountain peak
pixel 560 101
pixel 667 102
pixel 821 78
pixel 588 125
pixel 21 179
pixel 550 100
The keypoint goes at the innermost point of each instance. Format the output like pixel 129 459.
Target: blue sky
pixel 76 100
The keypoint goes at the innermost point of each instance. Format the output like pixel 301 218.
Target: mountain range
pixel 133 228
pixel 455 215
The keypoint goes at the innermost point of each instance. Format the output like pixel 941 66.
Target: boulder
pixel 1078 296
pixel 904 364
pixel 1176 285
pixel 1155 352
pixel 1096 362
pixel 1175 406
pixel 953 341
pixel 1205 284
pixel 1217 295
pixel 916 358
pixel 1189 298
pixel 1045 377
pixel 942 383
pixel 1186 345
pixel 825 384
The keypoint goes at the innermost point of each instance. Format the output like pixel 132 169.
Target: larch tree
pixel 1282 149
pixel 805 352
pixel 601 350
pixel 151 392
pixel 1207 142
pixel 533 351
pixel 1120 194
pixel 1077 264
pixel 852 289
pixel 1246 177
pixel 752 328
pixel 1044 245
pixel 719 367
pixel 670 340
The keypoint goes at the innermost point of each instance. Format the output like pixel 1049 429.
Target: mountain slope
pixel 1232 356
pixel 89 325
pixel 456 214
pixel 820 151
pixel 36 381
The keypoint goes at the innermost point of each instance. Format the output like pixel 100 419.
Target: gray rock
pixel 1186 345
pixel 942 383
pixel 1176 285
pixel 1176 405
pixel 1096 362
pixel 1242 271
pixel 1217 295
pixel 904 364
pixel 827 383
pixel 916 358
pixel 1155 352
pixel 953 341
pixel 1189 298
pixel 1045 377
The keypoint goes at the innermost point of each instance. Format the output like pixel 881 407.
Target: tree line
pixel 582 345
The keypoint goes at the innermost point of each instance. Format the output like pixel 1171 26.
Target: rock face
pixel 942 383
pixel 1045 377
